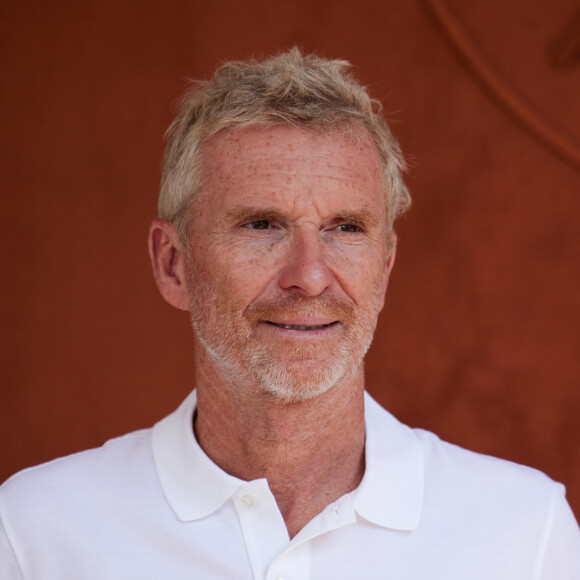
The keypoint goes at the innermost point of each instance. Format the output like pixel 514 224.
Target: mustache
pixel 322 306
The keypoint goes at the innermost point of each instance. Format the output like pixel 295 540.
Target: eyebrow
pixel 247 214
pixel 360 217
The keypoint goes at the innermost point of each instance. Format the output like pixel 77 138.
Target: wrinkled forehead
pixel 286 152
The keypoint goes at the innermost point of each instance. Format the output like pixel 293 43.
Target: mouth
pixel 301 326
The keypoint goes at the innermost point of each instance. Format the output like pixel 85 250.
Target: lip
pixel 309 326
pixel 301 331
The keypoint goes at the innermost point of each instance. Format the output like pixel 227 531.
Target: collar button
pixel 249 501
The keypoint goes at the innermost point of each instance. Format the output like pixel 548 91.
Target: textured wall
pixel 479 338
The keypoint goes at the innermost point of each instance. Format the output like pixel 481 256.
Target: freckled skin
pixel 301 179
pixel 286 212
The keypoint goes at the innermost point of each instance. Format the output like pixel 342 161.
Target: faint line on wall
pixel 529 119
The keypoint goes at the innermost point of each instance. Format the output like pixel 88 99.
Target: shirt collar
pixel 390 494
pixel 193 484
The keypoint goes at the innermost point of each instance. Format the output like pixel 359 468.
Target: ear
pixel 389 263
pixel 168 262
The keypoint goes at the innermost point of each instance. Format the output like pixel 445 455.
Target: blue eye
pixel 259 225
pixel 350 228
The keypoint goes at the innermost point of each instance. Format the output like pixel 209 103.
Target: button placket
pixel 263 527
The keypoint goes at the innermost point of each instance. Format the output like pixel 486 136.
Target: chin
pixel 289 384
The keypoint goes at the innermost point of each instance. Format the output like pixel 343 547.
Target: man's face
pixel 289 257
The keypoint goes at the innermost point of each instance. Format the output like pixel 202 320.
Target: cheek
pixel 248 263
pixel 238 274
pixel 360 273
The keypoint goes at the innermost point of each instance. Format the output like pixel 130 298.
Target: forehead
pixel 289 156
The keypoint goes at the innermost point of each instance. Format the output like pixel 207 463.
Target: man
pixel 280 187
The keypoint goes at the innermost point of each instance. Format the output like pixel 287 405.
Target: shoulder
pixel 493 493
pixel 487 513
pixel 62 480
pixel 449 466
pixel 458 483
pixel 65 513
pixel 447 462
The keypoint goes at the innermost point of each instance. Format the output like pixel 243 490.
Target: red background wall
pixel 479 338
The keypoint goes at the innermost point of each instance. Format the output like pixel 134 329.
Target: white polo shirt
pixel 152 505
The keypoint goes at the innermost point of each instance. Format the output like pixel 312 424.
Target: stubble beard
pixel 228 335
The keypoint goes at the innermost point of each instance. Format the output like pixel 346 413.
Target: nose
pixel 305 268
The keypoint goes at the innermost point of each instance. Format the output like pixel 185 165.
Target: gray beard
pixel 242 360
pixel 278 378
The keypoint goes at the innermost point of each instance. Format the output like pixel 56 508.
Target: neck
pixel 311 452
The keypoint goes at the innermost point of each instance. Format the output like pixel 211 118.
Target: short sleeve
pixel 9 569
pixel 561 558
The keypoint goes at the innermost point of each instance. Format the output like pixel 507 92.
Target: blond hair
pixel 304 91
